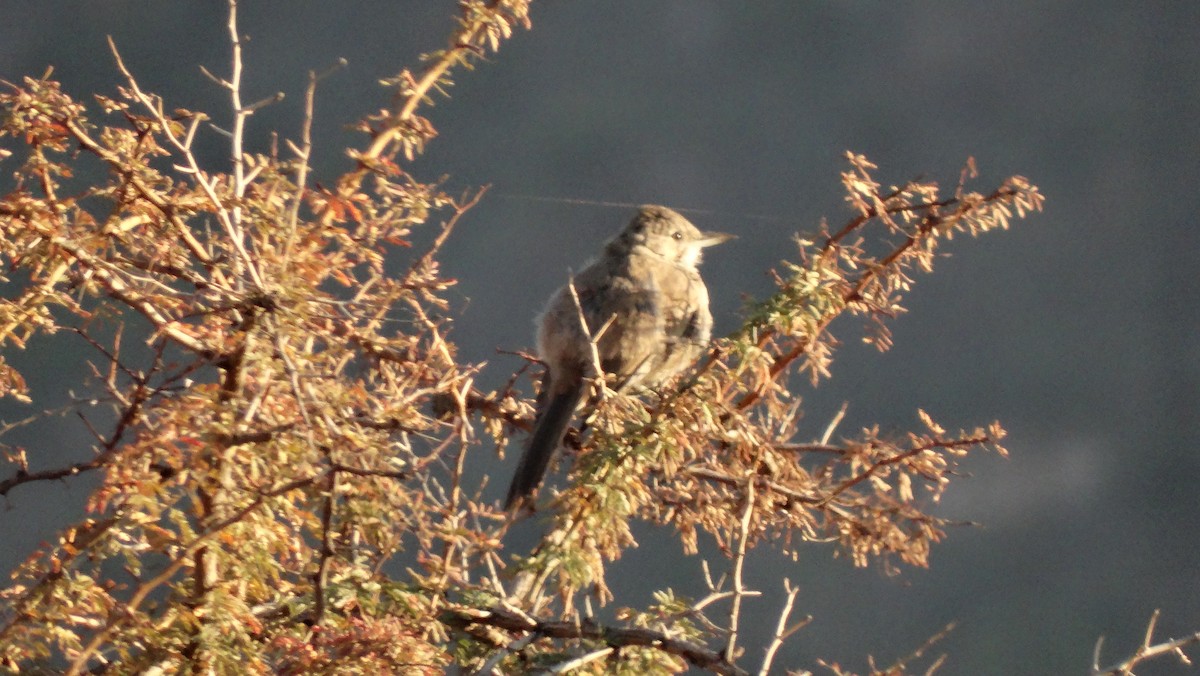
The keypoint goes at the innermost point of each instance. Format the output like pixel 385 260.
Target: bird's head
pixel 664 232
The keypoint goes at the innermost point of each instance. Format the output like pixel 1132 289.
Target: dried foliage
pixel 289 427
pixel 272 443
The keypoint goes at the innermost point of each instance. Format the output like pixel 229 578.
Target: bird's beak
pixel 708 239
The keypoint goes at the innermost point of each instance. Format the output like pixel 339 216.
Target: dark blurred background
pixel 1076 329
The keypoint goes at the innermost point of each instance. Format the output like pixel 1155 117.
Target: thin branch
pixel 782 630
pixel 901 457
pixel 229 219
pixel 237 158
pixel 460 208
pixel 1146 651
pixel 810 448
pixel 143 190
pixel 739 560
pixel 321 577
pixel 586 658
pixel 729 480
pixel 25 477
pixel 141 394
pixel 833 424
pixel 116 286
pixel 304 152
pixel 381 473
pixel 868 276
pixel 696 655
pixel 453 507
pixel 463 44
pixel 593 338
pixel 899 665
pixel 873 212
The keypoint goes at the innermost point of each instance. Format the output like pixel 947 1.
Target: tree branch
pixel 1146 651
pixel 696 655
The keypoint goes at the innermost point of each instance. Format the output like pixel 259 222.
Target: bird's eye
pixel 677 235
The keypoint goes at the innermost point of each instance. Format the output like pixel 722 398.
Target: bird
pixel 645 307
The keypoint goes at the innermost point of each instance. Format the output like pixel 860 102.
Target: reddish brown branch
pixel 25 477
pixel 140 395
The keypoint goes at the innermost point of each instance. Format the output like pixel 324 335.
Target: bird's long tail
pixel 547 433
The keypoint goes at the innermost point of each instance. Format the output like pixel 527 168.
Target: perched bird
pixel 645 307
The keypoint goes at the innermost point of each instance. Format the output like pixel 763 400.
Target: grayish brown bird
pixel 644 301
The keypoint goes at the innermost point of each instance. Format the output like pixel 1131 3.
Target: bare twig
pixel 593 338
pixel 586 658
pixel 130 413
pixel 460 208
pixel 739 561
pixel 899 665
pixel 1146 651
pixel 233 221
pixel 229 218
pixel 837 420
pixel 782 630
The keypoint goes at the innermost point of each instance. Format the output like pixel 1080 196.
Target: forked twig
pixel 1146 651
pixel 782 630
